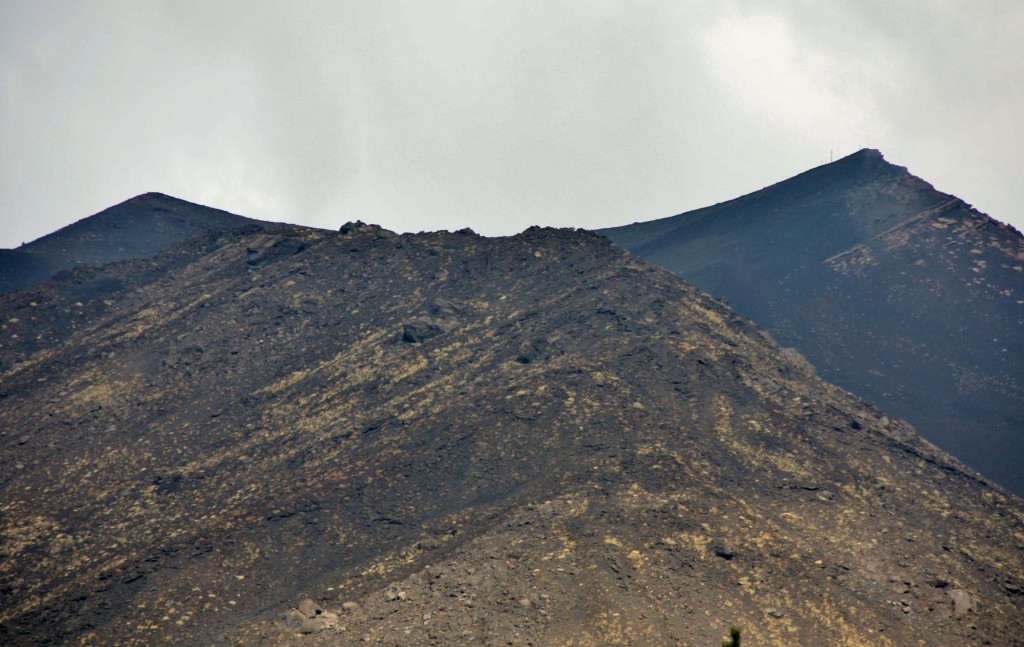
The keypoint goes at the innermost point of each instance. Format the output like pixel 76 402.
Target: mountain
pixel 288 436
pixel 905 295
pixel 136 228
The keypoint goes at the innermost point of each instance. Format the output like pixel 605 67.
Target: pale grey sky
pixel 494 114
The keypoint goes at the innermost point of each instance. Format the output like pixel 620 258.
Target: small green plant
pixel 734 638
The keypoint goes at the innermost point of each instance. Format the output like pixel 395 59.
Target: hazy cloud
pixel 494 115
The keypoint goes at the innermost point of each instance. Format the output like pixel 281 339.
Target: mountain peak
pixel 136 228
pixel 875 275
pixel 865 165
pixel 868 153
pixel 155 197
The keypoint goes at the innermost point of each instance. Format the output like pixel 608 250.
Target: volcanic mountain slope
pixel 444 439
pixel 136 228
pixel 904 295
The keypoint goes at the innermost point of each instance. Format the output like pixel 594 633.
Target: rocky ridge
pixel 292 436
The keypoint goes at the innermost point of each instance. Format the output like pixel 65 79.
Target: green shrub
pixel 734 638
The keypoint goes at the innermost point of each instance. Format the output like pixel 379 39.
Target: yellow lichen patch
pixel 567 549
pixel 405 371
pixel 762 541
pixel 639 559
pixel 25 532
pixel 687 345
pixel 788 464
pixel 603 377
pixel 699 543
pixel 650 449
pixel 356 354
pixel 723 417
pixel 826 613
pixel 750 454
pixel 608 628
pixel 105 394
pixel 391 562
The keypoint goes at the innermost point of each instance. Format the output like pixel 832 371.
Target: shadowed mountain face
pixel 445 439
pixel 136 228
pixel 900 293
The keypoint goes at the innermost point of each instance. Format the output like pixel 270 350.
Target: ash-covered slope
pixel 136 228
pixel 445 439
pixel 905 295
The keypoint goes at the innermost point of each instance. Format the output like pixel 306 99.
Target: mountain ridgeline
pixel 278 435
pixel 905 295
pixel 136 228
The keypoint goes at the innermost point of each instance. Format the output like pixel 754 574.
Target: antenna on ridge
pixel 830 160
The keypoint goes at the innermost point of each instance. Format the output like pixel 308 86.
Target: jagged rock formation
pixel 445 439
pixel 136 228
pixel 905 295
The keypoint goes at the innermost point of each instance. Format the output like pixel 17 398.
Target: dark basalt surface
pixel 905 295
pixel 290 436
pixel 136 228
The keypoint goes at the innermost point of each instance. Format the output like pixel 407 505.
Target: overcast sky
pixel 496 115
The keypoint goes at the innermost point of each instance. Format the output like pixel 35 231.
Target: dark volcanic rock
pixel 906 296
pixel 215 441
pixel 424 328
pixel 136 228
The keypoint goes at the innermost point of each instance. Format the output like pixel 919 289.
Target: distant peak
pixel 868 162
pixel 863 156
pixel 869 152
pixel 149 200
pixel 150 196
